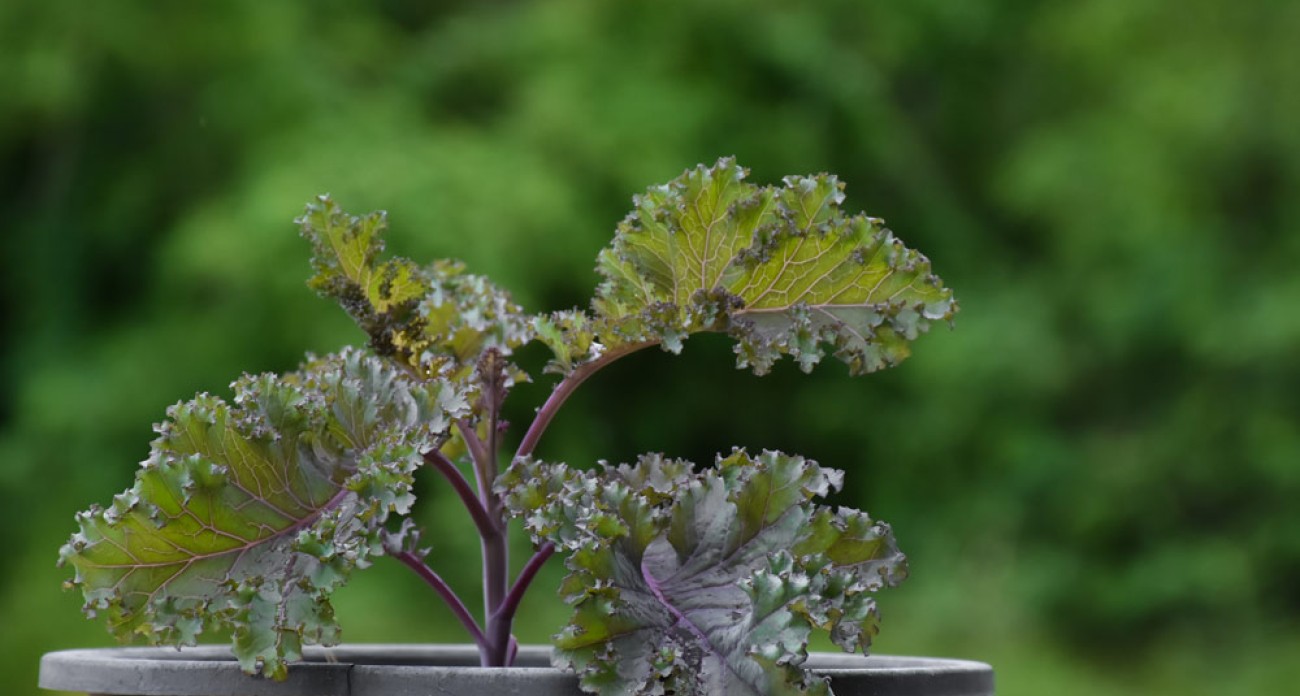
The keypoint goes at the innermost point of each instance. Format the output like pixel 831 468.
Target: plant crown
pixel 248 514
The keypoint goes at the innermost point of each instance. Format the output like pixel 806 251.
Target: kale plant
pixel 249 513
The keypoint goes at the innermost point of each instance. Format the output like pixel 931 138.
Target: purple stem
pixel 497 647
pixel 492 537
pixel 479 455
pixel 512 652
pixel 562 391
pixel 516 594
pixel 458 483
pixel 495 570
pixel 498 626
pixel 448 595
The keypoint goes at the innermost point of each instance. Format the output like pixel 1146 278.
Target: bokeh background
pixel 1096 474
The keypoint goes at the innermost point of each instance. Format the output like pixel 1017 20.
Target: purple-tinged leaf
pixel 781 269
pixel 436 319
pixel 246 516
pixel 704 581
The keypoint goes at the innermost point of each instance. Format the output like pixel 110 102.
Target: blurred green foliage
pixel 1096 475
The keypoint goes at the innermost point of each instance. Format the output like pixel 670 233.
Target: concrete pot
pixel 442 670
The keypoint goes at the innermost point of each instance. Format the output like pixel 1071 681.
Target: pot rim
pixel 364 669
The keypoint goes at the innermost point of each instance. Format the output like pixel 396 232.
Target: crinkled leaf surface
pixel 246 516
pixel 437 319
pixel 704 581
pixel 571 336
pixel 781 269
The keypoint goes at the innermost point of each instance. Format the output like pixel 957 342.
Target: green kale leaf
pixel 437 319
pixel 782 270
pixel 246 516
pixel 704 581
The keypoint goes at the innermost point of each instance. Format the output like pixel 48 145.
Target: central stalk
pixel 496 551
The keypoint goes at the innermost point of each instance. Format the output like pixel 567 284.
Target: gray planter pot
pixel 442 670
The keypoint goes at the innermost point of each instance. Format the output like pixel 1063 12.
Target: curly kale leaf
pixel 704 581
pixel 571 336
pixel 782 270
pixel 438 319
pixel 246 516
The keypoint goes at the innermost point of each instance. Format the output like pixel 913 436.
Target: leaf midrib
pixel 657 592
pixel 298 525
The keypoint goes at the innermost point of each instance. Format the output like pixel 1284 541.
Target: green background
pixel 1096 475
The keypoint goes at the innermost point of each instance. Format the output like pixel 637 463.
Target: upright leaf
pixel 704 582
pixel 246 516
pixel 437 320
pixel 782 270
